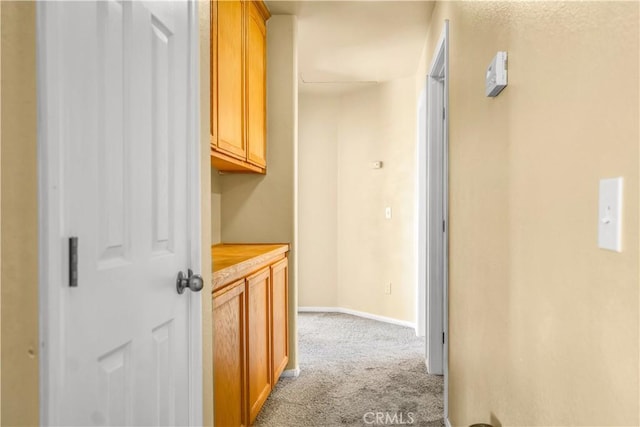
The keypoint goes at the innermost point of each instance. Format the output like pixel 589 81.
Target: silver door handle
pixel 192 281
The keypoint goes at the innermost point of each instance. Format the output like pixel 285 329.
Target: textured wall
pixel 19 210
pixel 543 324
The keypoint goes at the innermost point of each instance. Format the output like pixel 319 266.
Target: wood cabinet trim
pixel 258 275
pixel 223 295
pixel 226 163
pixel 263 9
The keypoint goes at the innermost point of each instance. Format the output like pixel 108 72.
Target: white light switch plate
pixel 387 213
pixel 610 214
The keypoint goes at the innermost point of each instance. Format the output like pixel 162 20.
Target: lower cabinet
pixel 251 342
pixel 229 316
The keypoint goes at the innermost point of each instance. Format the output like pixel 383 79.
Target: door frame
pixel 433 213
pixel 421 215
pixel 439 75
pixel 52 251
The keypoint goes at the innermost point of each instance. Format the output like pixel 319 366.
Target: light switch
pixel 387 213
pixel 610 214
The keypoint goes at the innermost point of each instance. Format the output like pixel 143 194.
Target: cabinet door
pixel 230 110
pixel 229 314
pixel 258 340
pixel 280 317
pixel 256 86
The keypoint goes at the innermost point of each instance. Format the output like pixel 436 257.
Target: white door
pixel 117 140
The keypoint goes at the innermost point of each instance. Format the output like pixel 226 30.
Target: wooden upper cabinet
pixel 238 85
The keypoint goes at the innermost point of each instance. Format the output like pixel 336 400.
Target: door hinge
pixel 73 262
pixel 443 338
pixel 444 227
pixel 443 113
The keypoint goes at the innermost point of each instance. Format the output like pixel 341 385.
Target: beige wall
pixel 19 224
pixel 261 208
pixel 317 200
pixel 206 217
pixel 377 123
pixel 216 207
pixel 543 324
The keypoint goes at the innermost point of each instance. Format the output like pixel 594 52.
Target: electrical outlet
pixel 387 288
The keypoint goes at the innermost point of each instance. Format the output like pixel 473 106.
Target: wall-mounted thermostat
pixel 496 75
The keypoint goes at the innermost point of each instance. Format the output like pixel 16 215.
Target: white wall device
pixel 496 79
pixel 610 214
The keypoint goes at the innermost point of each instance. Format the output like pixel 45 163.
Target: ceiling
pixel 347 44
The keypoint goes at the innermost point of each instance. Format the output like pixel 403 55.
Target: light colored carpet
pixel 350 369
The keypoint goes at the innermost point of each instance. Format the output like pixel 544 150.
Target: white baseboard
pixel 357 313
pixel 447 423
pixel 319 310
pixel 291 373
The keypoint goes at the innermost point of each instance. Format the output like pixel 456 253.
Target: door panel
pixel 280 316
pixel 230 106
pixel 161 124
pixel 256 87
pixel 117 87
pixel 114 386
pixel 164 405
pixel 113 176
pixel 259 338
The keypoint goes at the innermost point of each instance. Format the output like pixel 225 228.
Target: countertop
pixel 234 261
